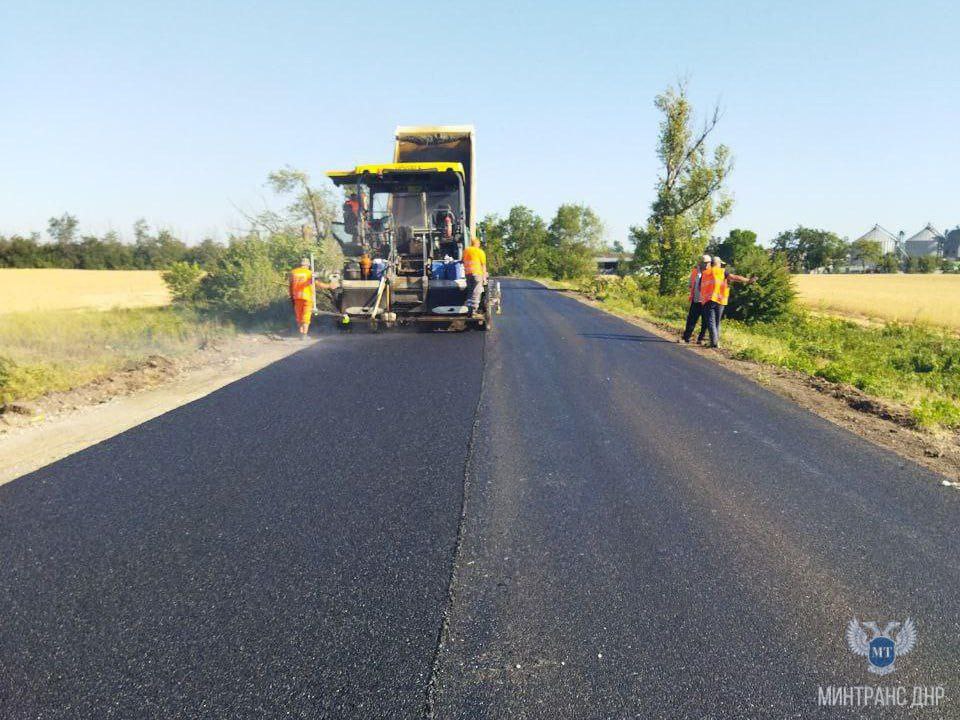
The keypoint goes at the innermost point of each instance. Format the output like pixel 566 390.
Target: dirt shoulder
pixel 59 424
pixel 884 423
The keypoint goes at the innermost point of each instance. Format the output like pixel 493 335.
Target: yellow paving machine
pixel 406 225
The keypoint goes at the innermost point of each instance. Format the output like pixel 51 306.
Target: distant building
pixel 926 243
pixel 887 240
pixel 607 264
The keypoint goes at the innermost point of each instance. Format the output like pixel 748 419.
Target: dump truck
pixel 406 225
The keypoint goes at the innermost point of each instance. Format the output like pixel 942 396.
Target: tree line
pixel 523 243
pixel 68 248
pixel 806 249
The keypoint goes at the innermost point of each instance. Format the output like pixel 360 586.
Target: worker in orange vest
pixel 351 214
pixel 475 269
pixel 696 307
pixel 365 264
pixel 301 295
pixel 714 294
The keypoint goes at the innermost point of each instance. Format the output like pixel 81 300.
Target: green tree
pixel 155 252
pixel 866 252
pixel 63 229
pixel 490 228
pixel 690 191
pixel 206 253
pixel 925 264
pixel 524 237
pixel 67 252
pixel 738 245
pixel 575 235
pixel 646 251
pixel 809 249
pixel 770 298
pixel 183 280
pixel 889 263
pixel 245 278
pixel 24 252
pixel 308 205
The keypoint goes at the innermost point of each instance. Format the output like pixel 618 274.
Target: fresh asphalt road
pixel 564 518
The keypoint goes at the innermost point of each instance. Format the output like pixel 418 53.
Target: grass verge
pixel 912 364
pixel 41 352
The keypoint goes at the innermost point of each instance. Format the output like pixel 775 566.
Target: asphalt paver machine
pixel 406 225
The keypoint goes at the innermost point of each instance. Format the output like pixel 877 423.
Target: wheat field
pixel 30 290
pixel 927 298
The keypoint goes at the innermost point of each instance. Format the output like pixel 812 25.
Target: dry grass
pixel 46 289
pixel 42 351
pixel 932 299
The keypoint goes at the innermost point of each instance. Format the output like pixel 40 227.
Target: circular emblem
pixel 881 651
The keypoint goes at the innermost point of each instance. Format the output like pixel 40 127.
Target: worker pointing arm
pixel 714 294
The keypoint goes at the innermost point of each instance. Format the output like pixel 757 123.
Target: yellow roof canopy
pixel 349 177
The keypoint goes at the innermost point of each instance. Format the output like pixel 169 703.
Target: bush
pixel 183 280
pixel 770 298
pixel 571 262
pixel 889 264
pixel 246 278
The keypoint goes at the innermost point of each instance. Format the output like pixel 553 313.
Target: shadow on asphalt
pixel 626 338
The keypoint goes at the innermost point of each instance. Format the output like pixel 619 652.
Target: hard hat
pixel 705 258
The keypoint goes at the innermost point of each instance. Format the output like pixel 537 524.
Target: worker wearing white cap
pixel 696 307
pixel 714 294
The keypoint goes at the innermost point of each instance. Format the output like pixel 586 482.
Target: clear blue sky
pixel 839 114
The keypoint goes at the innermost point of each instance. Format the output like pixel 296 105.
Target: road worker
pixel 301 295
pixel 365 264
pixel 695 312
pixel 475 269
pixel 714 294
pixel 351 214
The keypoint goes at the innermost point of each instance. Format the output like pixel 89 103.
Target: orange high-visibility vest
pixel 301 284
pixel 474 261
pixel 693 283
pixel 714 286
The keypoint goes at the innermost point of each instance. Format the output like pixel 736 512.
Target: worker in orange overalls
pixel 475 269
pixel 714 294
pixel 301 295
